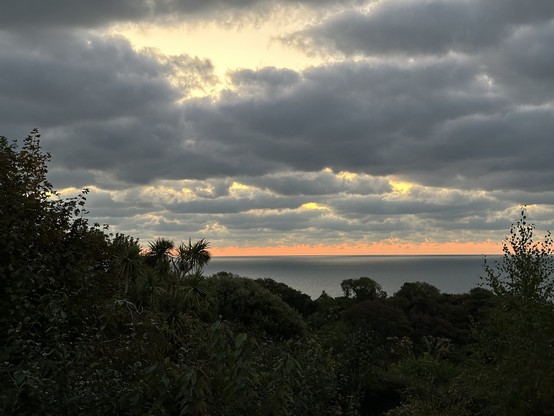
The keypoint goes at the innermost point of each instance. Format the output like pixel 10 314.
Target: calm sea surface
pixel 313 274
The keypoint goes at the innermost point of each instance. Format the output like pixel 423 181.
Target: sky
pixel 291 126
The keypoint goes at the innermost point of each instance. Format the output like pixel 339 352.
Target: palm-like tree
pixel 158 255
pixel 192 257
pixel 128 262
pixel 193 291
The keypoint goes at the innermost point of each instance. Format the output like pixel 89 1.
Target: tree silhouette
pixel 192 257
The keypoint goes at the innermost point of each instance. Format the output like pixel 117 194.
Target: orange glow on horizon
pixel 384 248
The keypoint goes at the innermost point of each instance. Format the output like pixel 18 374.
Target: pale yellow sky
pixel 228 48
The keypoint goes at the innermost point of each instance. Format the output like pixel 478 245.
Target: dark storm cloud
pixel 423 27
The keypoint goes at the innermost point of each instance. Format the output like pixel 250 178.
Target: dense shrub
pixel 251 307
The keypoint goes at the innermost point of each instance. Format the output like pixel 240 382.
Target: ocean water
pixel 314 274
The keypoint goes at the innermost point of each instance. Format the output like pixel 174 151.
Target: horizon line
pixel 389 248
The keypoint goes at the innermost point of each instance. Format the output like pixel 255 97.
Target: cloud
pixel 428 27
pixel 25 14
pixel 325 182
pixel 524 66
pixel 372 118
pixel 114 112
pixel 102 105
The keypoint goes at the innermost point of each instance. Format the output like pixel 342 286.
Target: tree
pixel 516 358
pixel 251 307
pixel 128 260
pixel 294 298
pixel 158 255
pixel 425 309
pixel 362 288
pixel 192 257
pixel 414 290
pixel 526 272
pixel 54 291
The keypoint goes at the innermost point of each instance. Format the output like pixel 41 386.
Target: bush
pixel 253 308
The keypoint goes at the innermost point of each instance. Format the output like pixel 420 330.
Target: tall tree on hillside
pixel 54 292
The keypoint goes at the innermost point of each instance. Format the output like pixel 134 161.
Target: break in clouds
pixel 420 120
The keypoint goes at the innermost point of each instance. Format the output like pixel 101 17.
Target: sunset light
pixel 381 249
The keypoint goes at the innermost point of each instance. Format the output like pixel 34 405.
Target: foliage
pixel 526 272
pixel 430 384
pixel 515 344
pixel 384 317
pixel 248 305
pixel 192 258
pixel 50 263
pixel 297 300
pixel 362 288
pixel 424 307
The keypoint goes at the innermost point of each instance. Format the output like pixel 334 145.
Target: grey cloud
pixel 100 105
pixel 268 81
pixel 319 183
pixel 119 118
pixel 509 150
pixel 373 118
pixel 524 66
pixel 233 205
pixel 423 27
pixel 351 213
pixel 272 221
pixel 357 206
pixel 62 80
pixel 186 72
pixel 524 197
pixel 30 13
pixel 25 14
pixel 104 107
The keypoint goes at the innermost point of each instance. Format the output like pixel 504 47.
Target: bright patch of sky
pixel 252 43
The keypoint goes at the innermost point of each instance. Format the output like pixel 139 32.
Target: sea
pixel 313 275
